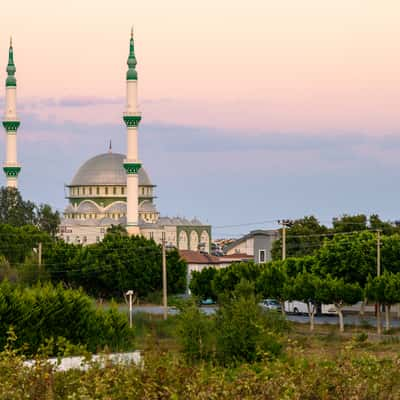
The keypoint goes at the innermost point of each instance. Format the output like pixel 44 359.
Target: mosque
pixel 109 189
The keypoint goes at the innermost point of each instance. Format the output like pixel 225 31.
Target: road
pixel 351 319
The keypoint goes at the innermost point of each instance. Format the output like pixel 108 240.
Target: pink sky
pixel 307 66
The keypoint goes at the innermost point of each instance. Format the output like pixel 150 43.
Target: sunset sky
pixel 252 110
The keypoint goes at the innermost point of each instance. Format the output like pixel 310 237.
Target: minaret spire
pixel 11 123
pixel 132 165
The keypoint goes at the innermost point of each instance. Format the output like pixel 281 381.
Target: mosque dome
pixel 106 169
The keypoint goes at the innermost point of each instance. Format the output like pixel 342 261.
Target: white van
pixel 299 307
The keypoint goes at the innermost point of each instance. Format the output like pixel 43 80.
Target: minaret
pixel 11 123
pixel 132 165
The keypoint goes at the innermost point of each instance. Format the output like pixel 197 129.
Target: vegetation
pixel 46 313
pixel 115 265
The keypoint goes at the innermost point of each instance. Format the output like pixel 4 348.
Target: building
pixel 257 244
pixel 114 189
pixel 197 261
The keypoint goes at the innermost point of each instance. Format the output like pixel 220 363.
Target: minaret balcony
pixel 11 126
pixel 132 119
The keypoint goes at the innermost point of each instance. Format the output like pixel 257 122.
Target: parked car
pixel 270 304
pixel 207 302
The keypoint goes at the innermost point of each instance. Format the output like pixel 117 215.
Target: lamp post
pixel 129 293
pixel 285 223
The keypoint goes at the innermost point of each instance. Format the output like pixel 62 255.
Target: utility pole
pixel 164 276
pixel 40 255
pixel 378 273
pixel 285 223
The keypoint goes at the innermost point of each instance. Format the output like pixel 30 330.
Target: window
pixel 97 190
pixel 77 191
pixel 122 190
pixel 106 190
pixel 90 190
pixel 114 190
pixel 261 256
pixel 83 190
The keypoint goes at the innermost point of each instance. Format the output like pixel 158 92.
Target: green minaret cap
pixel 11 81
pixel 131 75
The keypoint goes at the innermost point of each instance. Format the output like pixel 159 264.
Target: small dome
pixel 117 207
pixel 147 206
pixel 87 207
pixel 106 169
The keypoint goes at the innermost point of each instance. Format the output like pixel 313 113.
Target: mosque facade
pixel 115 189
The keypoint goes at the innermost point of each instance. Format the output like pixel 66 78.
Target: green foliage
pixel 337 291
pixel 242 331
pixel 226 279
pixel 348 257
pixel 196 333
pixel 14 210
pixel 384 289
pixel 301 238
pixel 115 265
pixel 43 312
pixel 273 281
pixel 201 284
pixel 47 220
pixel 349 223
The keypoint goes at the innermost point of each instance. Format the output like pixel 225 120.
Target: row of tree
pixel 306 235
pixel 342 271
pixel 115 265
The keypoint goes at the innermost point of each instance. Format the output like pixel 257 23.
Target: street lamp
pixel 130 293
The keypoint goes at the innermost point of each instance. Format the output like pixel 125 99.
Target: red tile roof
pixel 195 257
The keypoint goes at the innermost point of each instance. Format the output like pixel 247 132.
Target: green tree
pixel 47 220
pixel 272 282
pixel 242 329
pixel 348 257
pixel 201 283
pixel 349 223
pixel 226 279
pixel 14 210
pixel 390 253
pixel 115 265
pixel 384 289
pixel 305 287
pixel 303 237
pixel 338 292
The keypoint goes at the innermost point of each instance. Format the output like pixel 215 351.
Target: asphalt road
pixel 351 319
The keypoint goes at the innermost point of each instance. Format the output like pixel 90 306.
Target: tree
pixel 243 330
pixel 349 223
pixel 47 220
pixel 201 283
pixel 303 237
pixel 390 253
pixel 384 289
pixel 305 287
pixel 272 282
pixel 14 210
pixel 226 279
pixel 339 293
pixel 115 265
pixel 348 257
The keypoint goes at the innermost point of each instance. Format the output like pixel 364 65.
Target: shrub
pixel 44 312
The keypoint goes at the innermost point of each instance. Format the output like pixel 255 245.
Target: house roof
pixel 196 257
pixel 252 234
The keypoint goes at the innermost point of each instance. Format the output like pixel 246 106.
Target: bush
pixel 43 312
pixel 195 332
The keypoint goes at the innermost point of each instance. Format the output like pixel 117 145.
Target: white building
pixel 114 189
